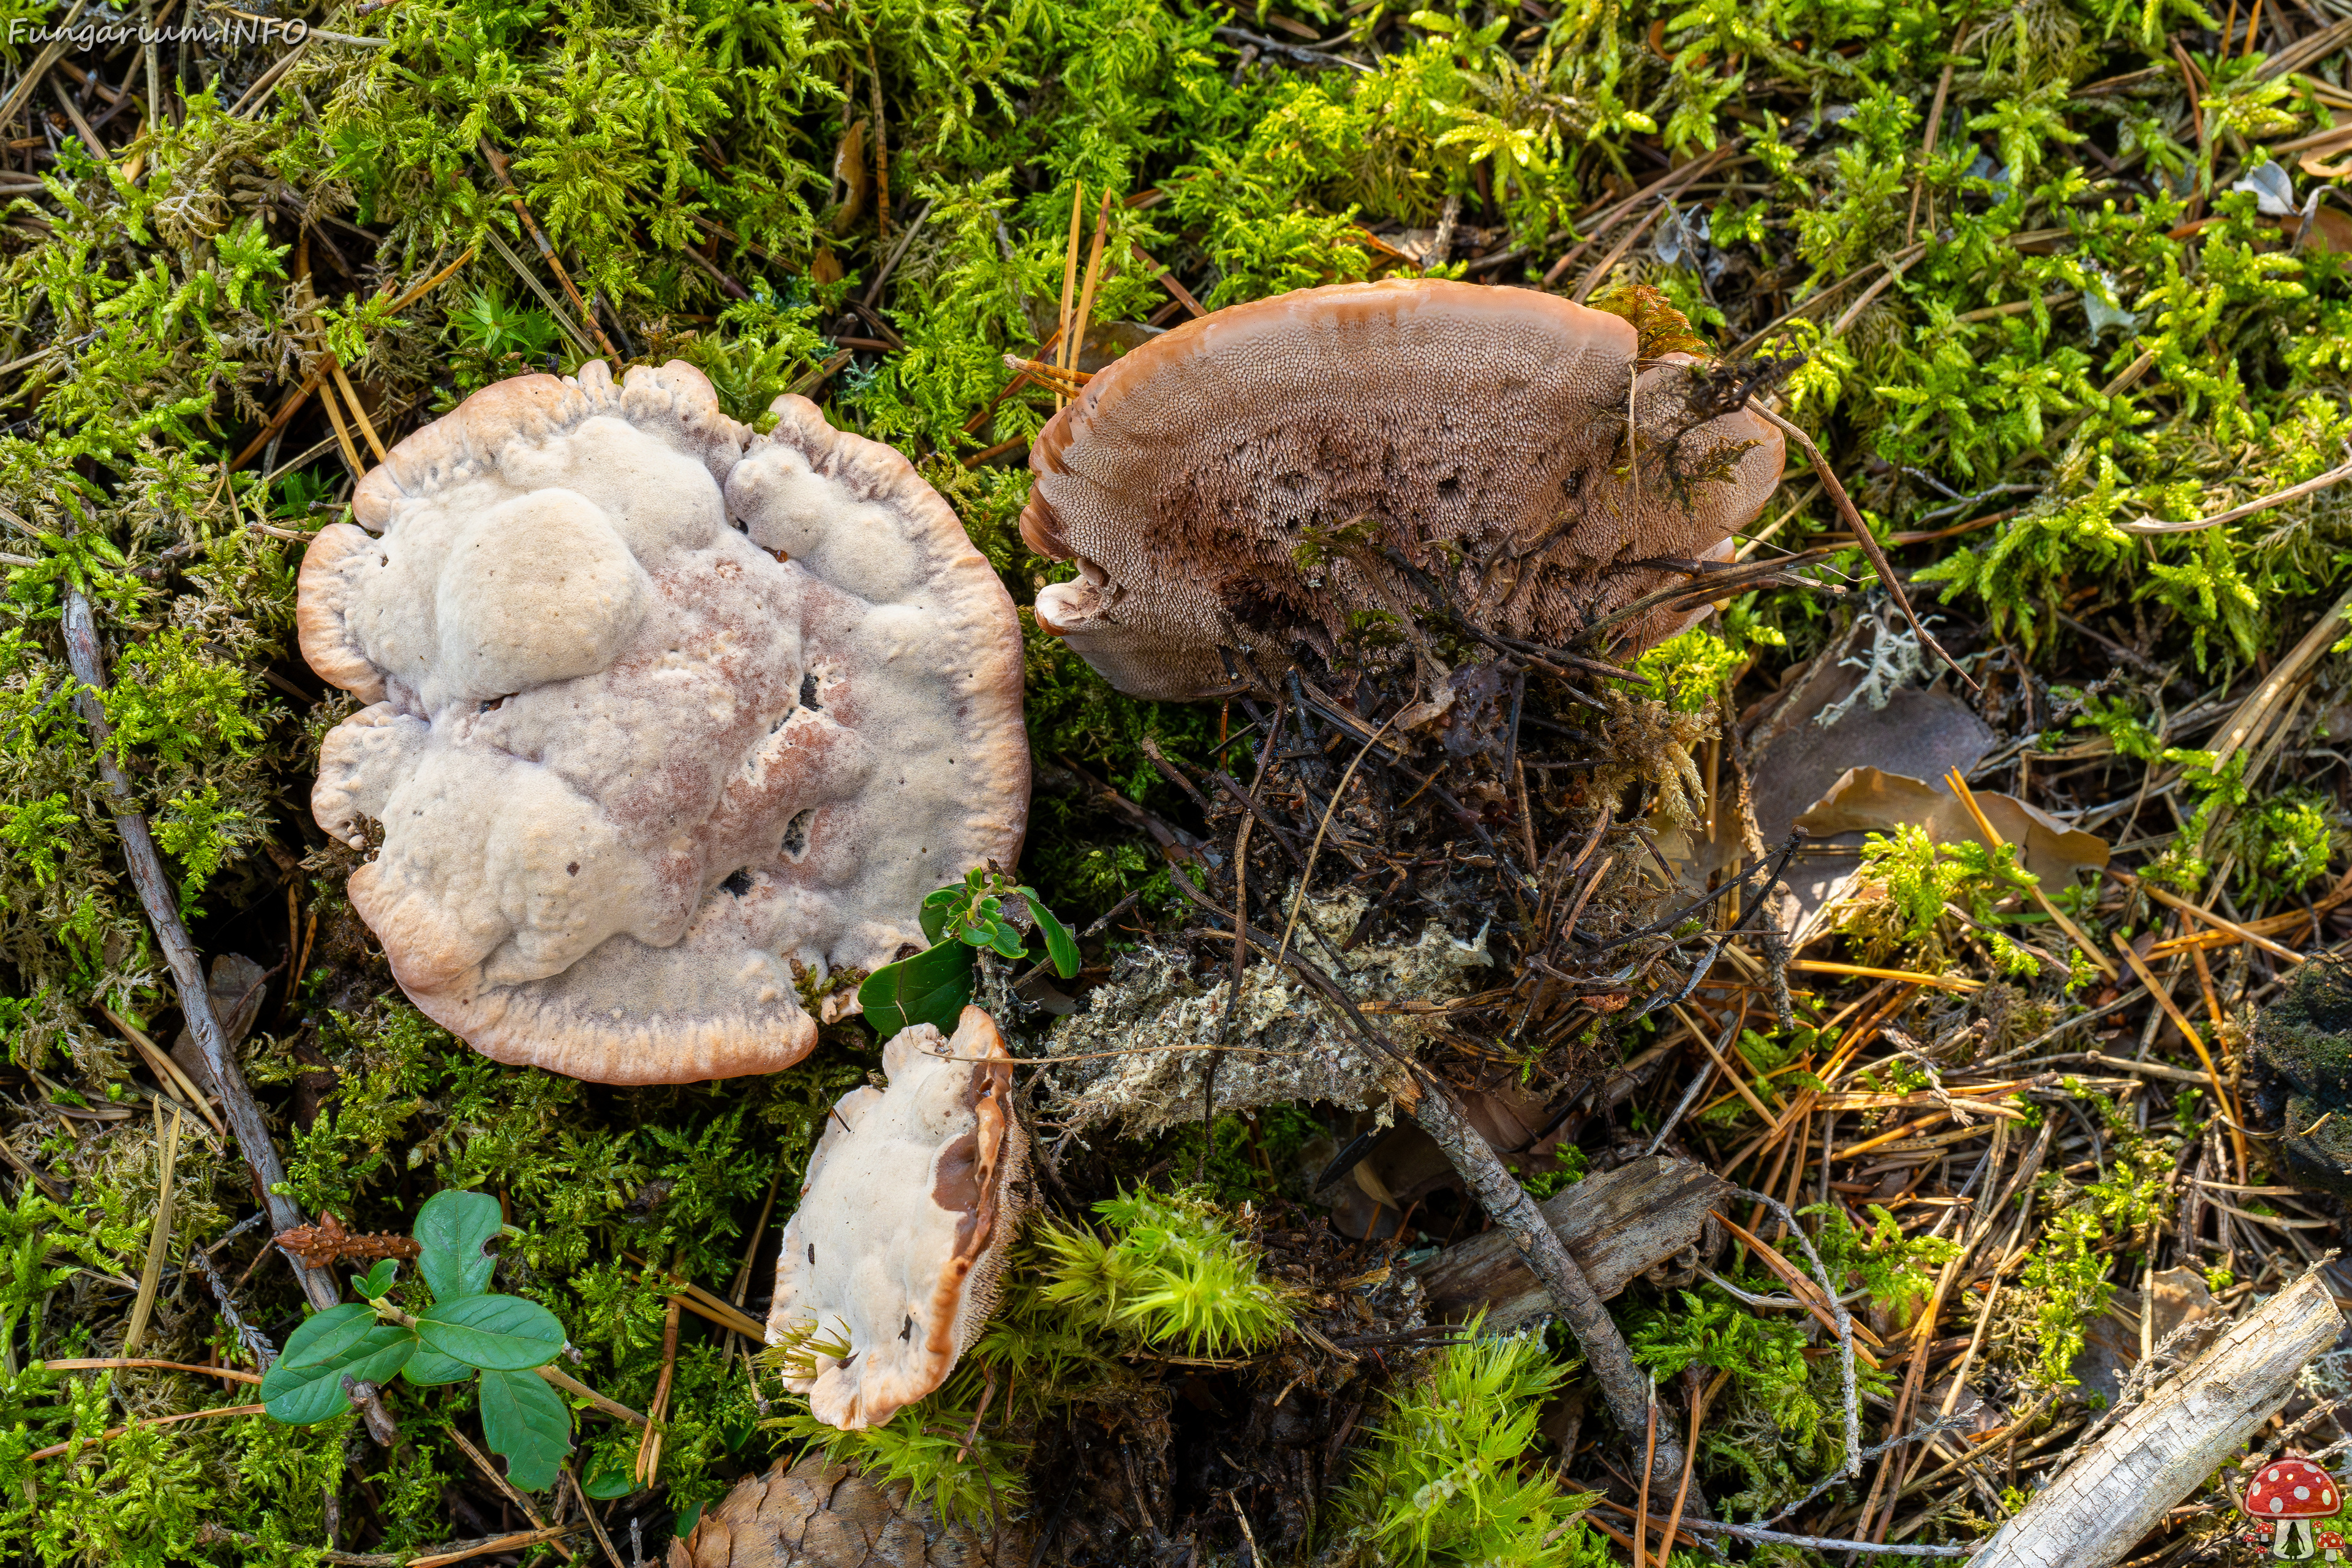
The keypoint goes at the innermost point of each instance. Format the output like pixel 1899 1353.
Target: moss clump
pixel 1449 1477
pixel 2302 1063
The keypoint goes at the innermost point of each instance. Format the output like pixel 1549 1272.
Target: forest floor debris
pixel 2059 293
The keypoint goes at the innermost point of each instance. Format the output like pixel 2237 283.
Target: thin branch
pixel 160 898
pixel 1862 535
pixel 1431 1103
pixel 2147 525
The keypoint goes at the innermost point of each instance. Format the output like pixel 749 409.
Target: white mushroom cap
pixel 632 764
pixel 907 1215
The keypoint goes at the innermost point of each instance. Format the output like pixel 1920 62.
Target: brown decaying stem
pixel 881 151
pixel 55 1450
pixel 497 163
pixel 1241 927
pixel 612 1407
pixel 482 1463
pixel 159 896
pixel 1862 534
pixel 649 1447
pixel 159 1235
pixel 1690 1460
pixel 1934 121
pixel 1070 281
pixel 1167 279
pixel 446 1553
pixel 1641 1498
pixel 107 1363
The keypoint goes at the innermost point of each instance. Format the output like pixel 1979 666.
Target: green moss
pixel 166 326
pixel 1449 1476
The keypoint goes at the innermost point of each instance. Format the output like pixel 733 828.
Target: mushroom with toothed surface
pixel 2290 1492
pixel 889 1268
pixel 1252 479
pixel 664 717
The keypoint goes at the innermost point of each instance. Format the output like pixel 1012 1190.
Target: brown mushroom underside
pixel 1242 479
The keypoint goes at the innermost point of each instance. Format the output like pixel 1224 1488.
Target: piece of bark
pixel 2094 1512
pixel 1617 1225
pixel 823 1514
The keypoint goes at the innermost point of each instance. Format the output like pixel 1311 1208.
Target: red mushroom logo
pixel 2289 1493
pixel 2331 1544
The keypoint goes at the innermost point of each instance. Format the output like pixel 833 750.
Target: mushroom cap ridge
pixel 661 712
pixel 1458 422
pixel 907 1217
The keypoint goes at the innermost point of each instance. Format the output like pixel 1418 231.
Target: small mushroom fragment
pixel 663 716
pixel 906 1219
pixel 819 1513
pixel 1249 479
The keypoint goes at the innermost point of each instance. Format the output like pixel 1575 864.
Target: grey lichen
pixel 1142 1040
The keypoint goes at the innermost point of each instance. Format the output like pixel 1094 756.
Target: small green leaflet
pixel 1060 945
pixel 929 988
pixel 496 1333
pixel 452 1227
pixel 609 1484
pixel 936 911
pixel 524 1420
pixel 987 927
pixel 378 1280
pixel 305 1384
pixel 426 1368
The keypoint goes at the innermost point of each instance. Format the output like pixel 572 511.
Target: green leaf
pixel 929 988
pixel 452 1227
pixel 687 1517
pixel 426 1368
pixel 305 1384
pixel 523 1418
pixel 608 1484
pixel 981 926
pixel 1061 947
pixel 378 1280
pixel 496 1333
pixel 936 911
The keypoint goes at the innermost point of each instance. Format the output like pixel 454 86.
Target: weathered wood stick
pixel 160 900
pixel 1622 1384
pixel 1617 1225
pixel 2095 1511
pixel 1426 1096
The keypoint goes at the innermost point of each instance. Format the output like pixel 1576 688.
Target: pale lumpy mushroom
pixel 1251 479
pixel 906 1216
pixel 664 715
